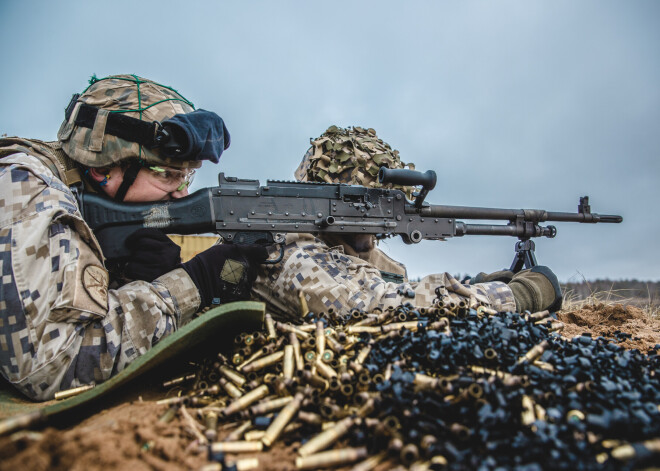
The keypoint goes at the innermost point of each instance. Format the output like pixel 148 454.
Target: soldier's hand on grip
pixel 152 254
pixel 225 271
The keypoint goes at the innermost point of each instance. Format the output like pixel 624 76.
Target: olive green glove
pixel 536 290
pixel 505 276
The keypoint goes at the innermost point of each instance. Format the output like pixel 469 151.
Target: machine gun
pixel 244 212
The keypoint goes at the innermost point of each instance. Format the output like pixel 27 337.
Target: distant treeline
pixel 615 290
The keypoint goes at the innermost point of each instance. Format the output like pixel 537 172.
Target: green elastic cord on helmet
pixel 93 79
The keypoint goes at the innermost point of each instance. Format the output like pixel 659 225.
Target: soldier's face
pixel 146 187
pixel 360 242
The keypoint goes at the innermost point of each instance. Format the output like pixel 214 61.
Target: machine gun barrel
pixel 530 215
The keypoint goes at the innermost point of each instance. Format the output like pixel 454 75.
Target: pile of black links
pixel 445 387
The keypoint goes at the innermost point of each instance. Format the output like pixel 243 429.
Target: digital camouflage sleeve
pixel 333 281
pixel 60 326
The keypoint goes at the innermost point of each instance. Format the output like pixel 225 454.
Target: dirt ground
pixel 130 436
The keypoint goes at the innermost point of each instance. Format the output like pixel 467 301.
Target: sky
pixel 516 104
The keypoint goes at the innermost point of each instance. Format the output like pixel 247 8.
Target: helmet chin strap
pixel 130 175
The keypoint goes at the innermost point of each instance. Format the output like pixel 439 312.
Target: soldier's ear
pixel 102 174
pixel 98 174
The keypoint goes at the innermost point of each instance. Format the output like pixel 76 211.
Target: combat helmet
pixel 129 118
pixel 352 155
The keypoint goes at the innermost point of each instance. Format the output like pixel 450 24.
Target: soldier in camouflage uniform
pixel 339 273
pixel 61 326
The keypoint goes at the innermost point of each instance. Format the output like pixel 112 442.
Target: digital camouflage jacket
pixel 60 325
pixel 335 281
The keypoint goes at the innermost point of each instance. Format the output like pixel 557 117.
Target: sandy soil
pixel 130 436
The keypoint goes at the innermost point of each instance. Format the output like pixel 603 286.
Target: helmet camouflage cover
pixel 350 155
pixel 132 96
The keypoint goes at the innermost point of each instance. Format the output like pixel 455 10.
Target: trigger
pixel 273 250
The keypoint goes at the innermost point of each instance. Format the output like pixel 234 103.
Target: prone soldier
pixel 339 273
pixel 63 321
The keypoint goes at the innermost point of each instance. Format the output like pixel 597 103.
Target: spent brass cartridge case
pixel 626 452
pixel 270 326
pixel 409 453
pixel 394 446
pixel 503 375
pixel 334 345
pixel 179 380
pixel 172 400
pixel 392 422
pixel 490 354
pixel 325 369
pixel 259 353
pixel 21 421
pixel 367 329
pixel 264 362
pixel 232 375
pixel 73 391
pixel 211 467
pixel 282 420
pixel 366 408
pixel 370 319
pixel 556 327
pixel 584 386
pixel 254 435
pixel 540 412
pixel 304 309
pixel 328 356
pixel 246 400
pixel 460 431
pixel 439 461
pixel 527 415
pixel 538 316
pixel 320 338
pixel 427 443
pixel 316 381
pixel 211 424
pixel 441 324
pixel 289 328
pixel 575 414
pixel 331 458
pixel 544 366
pixel 356 364
pixel 231 389
pixel 410 325
pixel 270 405
pixel 236 447
pixel 327 437
pixel 288 362
pixel 535 352
pixel 310 418
pixel 246 464
pixel 297 355
pixel 169 414
pixel 310 356
pixel 370 463
pixel 475 390
pixel 236 359
pixel 238 432
pixel 309 344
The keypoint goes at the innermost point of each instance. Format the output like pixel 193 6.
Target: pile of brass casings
pixel 445 387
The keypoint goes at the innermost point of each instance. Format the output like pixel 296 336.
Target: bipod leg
pixel 524 257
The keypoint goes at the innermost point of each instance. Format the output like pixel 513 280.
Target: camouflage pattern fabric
pixel 333 277
pixel 351 155
pixel 60 325
pixel 132 96
pixel 336 283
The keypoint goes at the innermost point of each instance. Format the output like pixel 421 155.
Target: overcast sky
pixel 522 104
